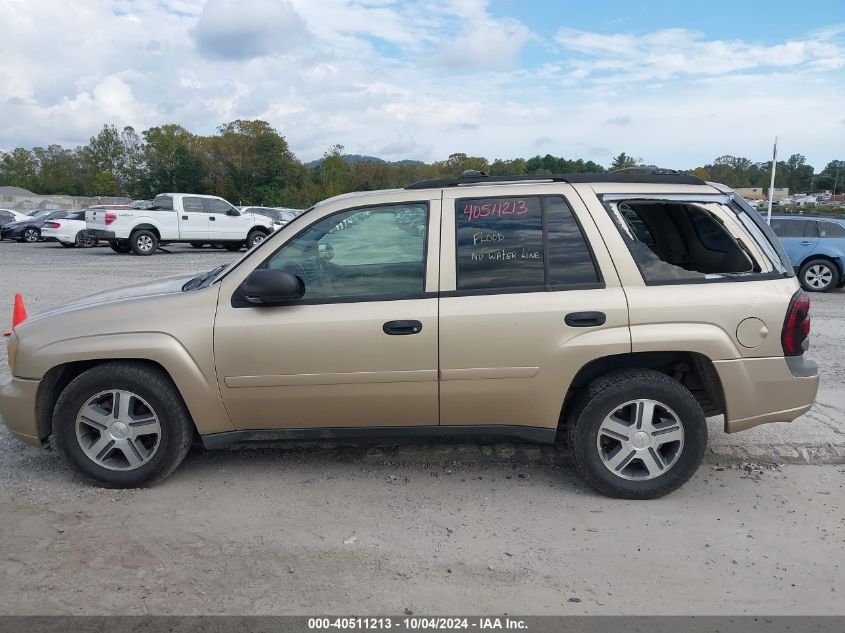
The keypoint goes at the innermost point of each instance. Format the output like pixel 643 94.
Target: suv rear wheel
pixel 637 434
pixel 122 425
pixel 819 275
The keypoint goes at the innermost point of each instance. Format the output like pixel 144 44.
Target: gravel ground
pixel 429 528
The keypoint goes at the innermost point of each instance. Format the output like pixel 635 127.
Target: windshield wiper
pixel 199 280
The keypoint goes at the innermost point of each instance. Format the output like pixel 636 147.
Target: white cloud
pixel 416 80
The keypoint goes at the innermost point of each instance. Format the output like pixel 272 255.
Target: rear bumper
pixel 17 407
pixel 103 235
pixel 762 390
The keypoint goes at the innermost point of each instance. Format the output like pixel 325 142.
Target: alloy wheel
pixel 818 276
pixel 118 430
pixel 145 243
pixel 641 439
pixel 31 235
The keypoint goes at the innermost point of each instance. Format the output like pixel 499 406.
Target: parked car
pixel 7 215
pixel 279 216
pixel 29 230
pixel 815 246
pixel 178 217
pixel 72 230
pixel 616 310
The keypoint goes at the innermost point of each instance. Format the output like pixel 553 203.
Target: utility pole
pixel 836 181
pixel 772 184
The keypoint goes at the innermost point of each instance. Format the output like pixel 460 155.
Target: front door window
pixel 370 253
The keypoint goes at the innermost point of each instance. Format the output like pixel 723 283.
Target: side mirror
pixel 267 286
pixel 233 212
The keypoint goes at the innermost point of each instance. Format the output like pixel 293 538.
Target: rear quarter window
pixel 675 241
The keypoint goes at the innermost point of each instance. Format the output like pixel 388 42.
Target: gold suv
pixel 612 312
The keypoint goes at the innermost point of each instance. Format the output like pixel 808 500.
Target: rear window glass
pixel 675 242
pixel 193 205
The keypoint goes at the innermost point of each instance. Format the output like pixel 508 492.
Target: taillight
pixel 110 217
pixel 796 326
pixel 52 225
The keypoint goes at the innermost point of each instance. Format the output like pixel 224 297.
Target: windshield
pixel 42 214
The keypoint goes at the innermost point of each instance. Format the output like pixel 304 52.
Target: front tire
pixel 143 242
pixel 637 434
pixel 819 275
pixel 255 237
pixel 31 235
pixel 122 425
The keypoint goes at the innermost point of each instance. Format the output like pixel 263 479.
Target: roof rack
pixel 645 175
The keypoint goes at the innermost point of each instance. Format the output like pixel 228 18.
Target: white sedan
pixel 7 215
pixel 69 231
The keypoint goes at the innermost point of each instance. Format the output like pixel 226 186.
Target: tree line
pixel 249 162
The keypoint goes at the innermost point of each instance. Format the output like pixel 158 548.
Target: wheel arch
pixel 693 370
pixel 146 227
pixel 199 392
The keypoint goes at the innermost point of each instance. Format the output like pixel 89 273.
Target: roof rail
pixel 645 175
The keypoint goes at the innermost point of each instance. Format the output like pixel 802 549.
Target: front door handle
pixel 184 217
pixel 806 243
pixel 585 319
pixel 402 328
pixel 212 218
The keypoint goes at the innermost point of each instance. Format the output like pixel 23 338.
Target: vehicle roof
pixel 193 195
pixel 807 216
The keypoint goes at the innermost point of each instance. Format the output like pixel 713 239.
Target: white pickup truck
pixel 178 217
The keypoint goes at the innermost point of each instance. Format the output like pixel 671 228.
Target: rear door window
pixel 789 228
pixel 831 229
pixel 530 243
pixel 192 205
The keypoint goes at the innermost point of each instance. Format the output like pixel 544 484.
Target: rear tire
pixel 94 441
pixel 143 242
pixel 636 434
pixel 120 247
pixel 233 246
pixel 84 239
pixel 197 244
pixel 819 275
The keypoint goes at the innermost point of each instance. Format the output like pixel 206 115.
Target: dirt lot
pixel 427 528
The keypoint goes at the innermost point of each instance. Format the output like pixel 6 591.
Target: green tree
pixel 19 168
pixel 623 161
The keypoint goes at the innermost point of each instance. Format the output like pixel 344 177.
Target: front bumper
pixel 761 390
pixel 103 235
pixel 18 409
pixel 11 234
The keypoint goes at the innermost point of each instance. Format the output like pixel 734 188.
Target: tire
pixel 197 244
pixel 233 246
pixel 84 239
pixel 119 247
pixel 143 242
pixel 255 237
pixel 819 275
pixel 67 244
pixel 628 465
pixel 31 235
pixel 156 455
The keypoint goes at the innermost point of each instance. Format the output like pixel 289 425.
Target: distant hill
pixel 361 158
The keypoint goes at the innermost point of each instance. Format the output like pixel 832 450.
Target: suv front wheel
pixel 637 434
pixel 122 425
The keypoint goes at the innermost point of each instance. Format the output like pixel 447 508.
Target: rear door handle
pixel 585 319
pixel 184 217
pixel 806 243
pixel 402 328
pixel 212 218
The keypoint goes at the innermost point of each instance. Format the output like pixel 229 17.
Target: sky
pixel 674 83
